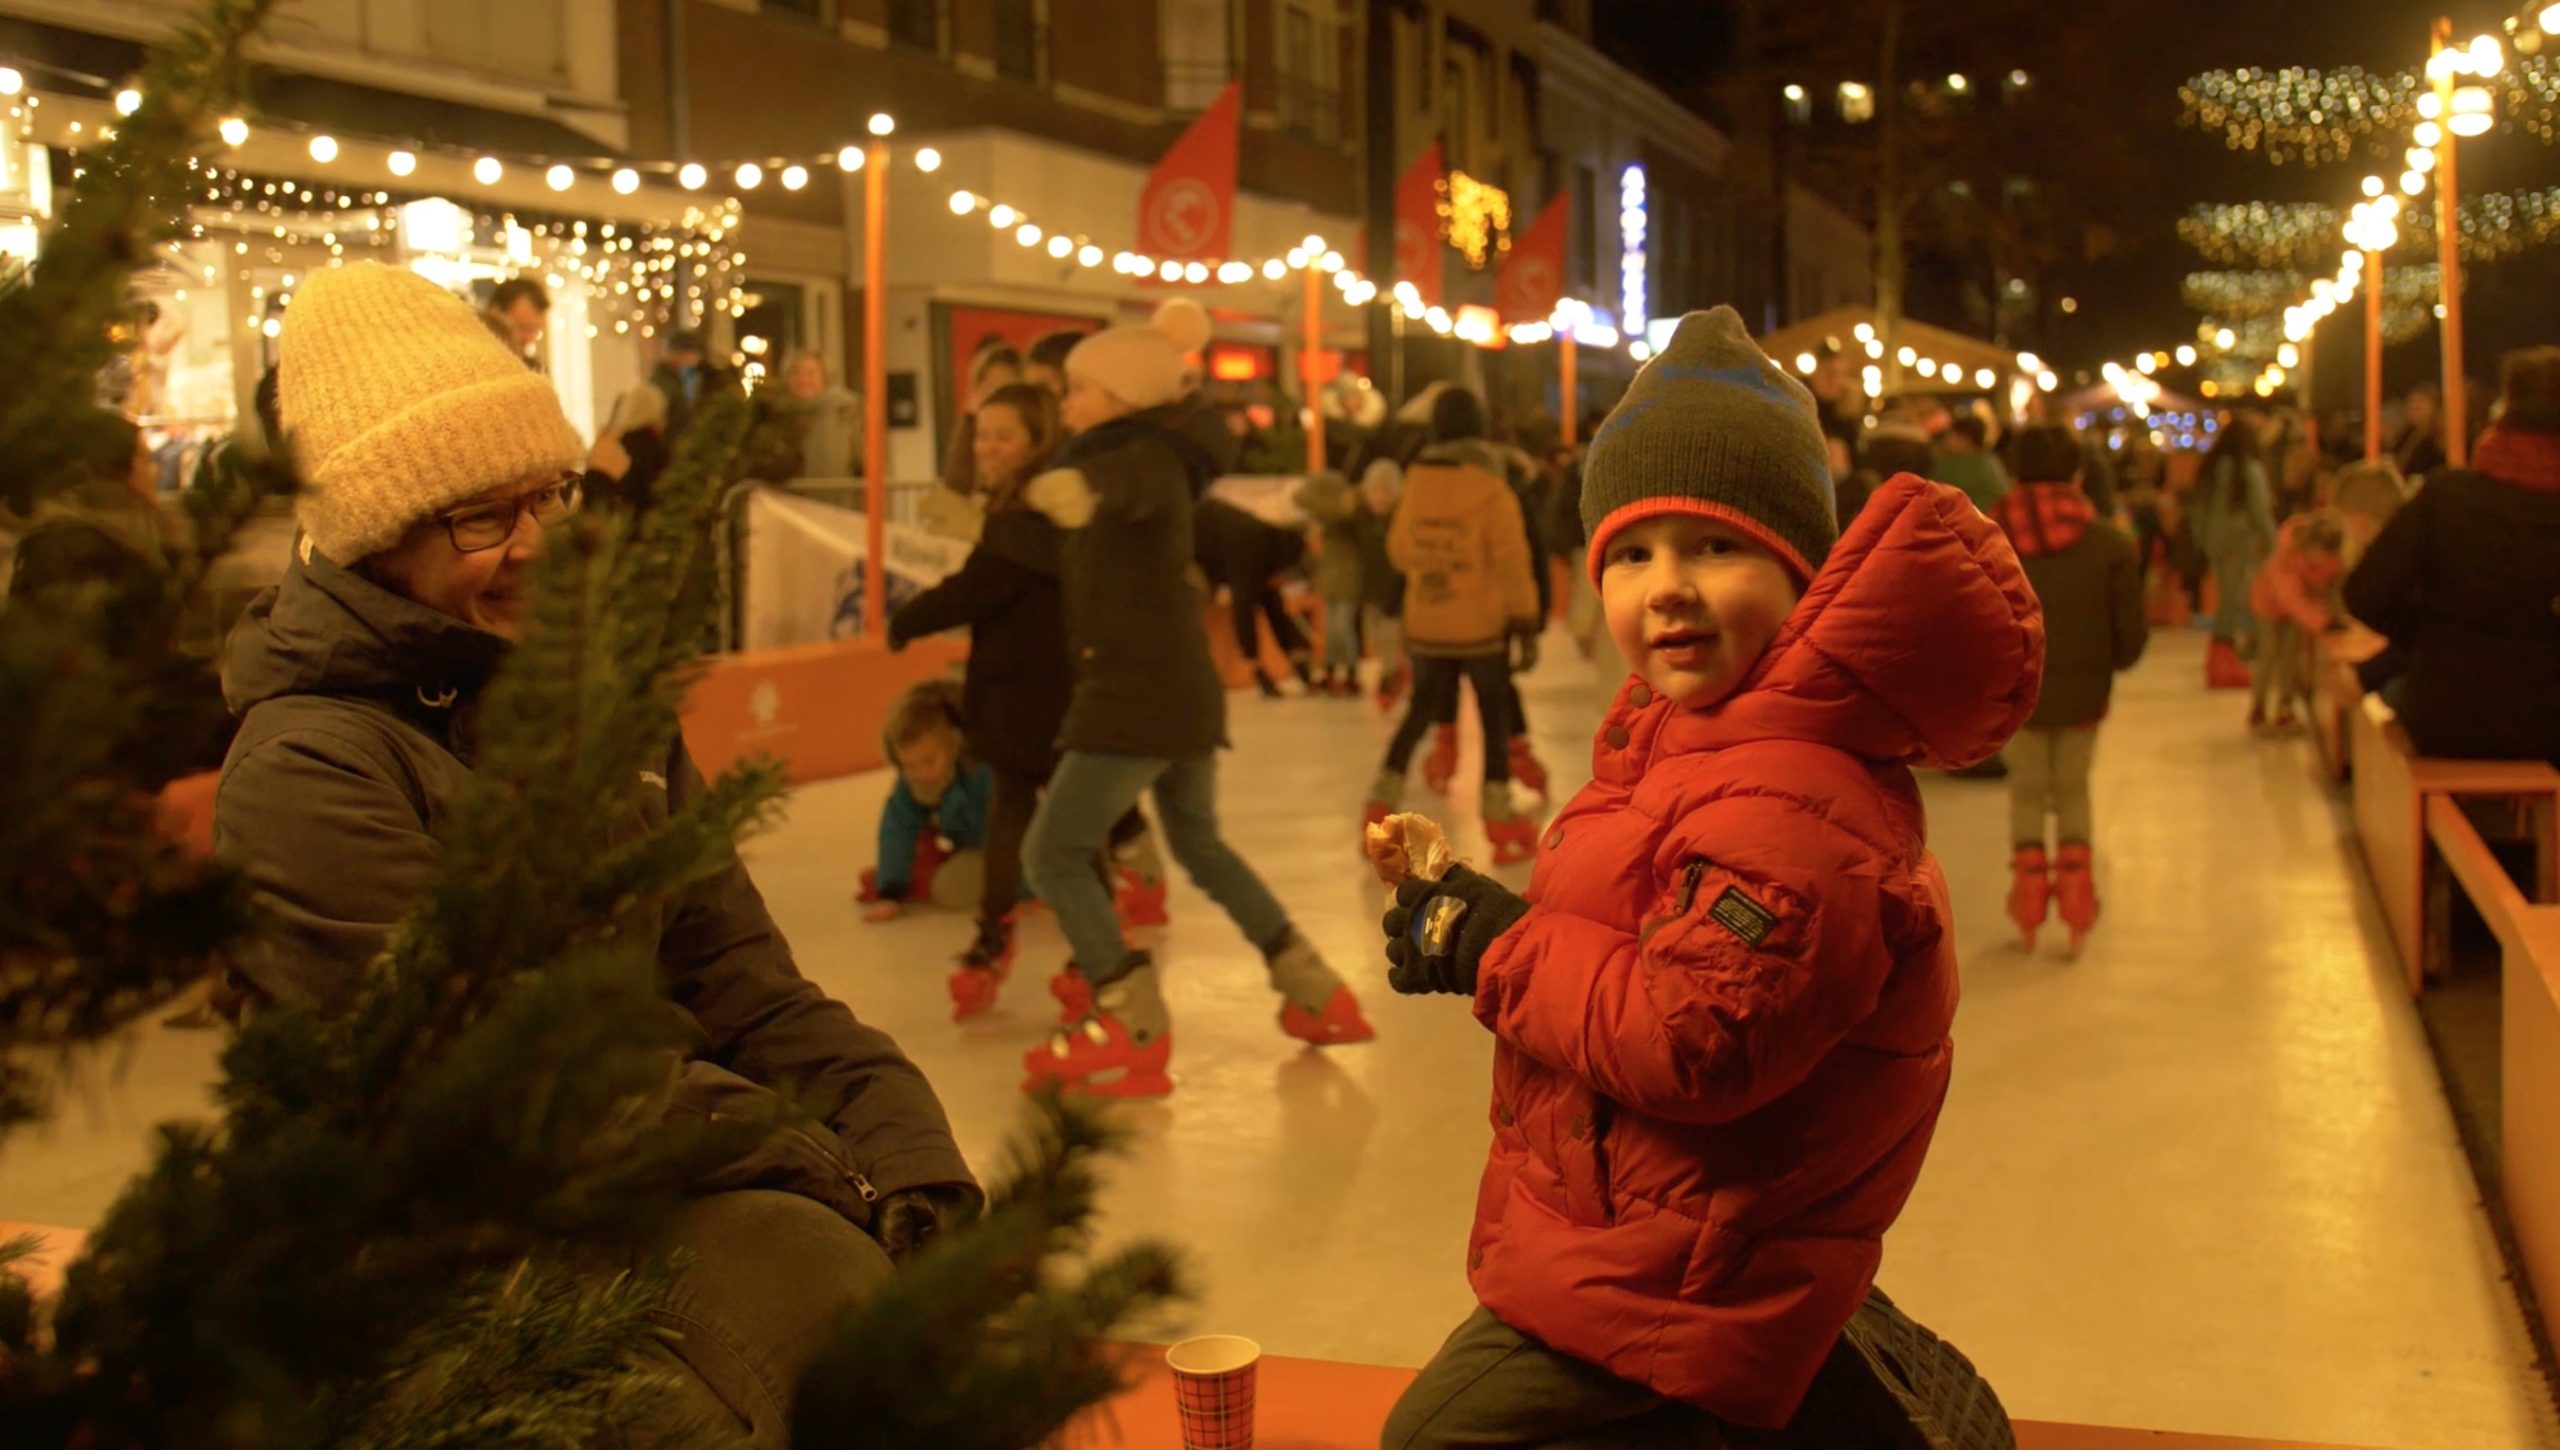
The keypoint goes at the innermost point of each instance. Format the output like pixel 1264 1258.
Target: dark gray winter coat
pixel 1145 683
pixel 358 713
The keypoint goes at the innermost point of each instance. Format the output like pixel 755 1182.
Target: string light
pixel 486 170
pixel 233 131
pixel 400 163
pixel 560 178
pixel 749 175
pixel 849 158
pixel 928 159
pixel 882 123
pixel 625 180
pixel 324 149
pixel 2319 116
pixel 128 101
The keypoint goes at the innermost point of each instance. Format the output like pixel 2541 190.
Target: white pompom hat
pixel 1145 366
pixel 400 405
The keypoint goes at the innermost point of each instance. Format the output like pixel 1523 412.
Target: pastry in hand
pixel 1406 845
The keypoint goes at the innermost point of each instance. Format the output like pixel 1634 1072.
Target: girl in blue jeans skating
pixel 1148 714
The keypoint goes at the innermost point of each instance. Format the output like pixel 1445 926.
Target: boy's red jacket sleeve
pixel 1748 972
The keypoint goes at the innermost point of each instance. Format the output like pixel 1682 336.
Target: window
pixel 1022 41
pixel 1454 113
pixel 1199 53
pixel 1310 102
pixel 918 25
pixel 525 39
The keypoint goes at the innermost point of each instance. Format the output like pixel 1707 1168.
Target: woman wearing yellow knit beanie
pixel 431 462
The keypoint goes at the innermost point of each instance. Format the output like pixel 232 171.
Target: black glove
pixel 1437 931
pixel 1524 652
pixel 910 1220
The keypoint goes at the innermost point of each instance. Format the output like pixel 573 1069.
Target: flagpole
pixel 1307 366
pixel 1564 370
pixel 2372 356
pixel 2455 419
pixel 875 390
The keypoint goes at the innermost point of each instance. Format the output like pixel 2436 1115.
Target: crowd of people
pixel 1733 958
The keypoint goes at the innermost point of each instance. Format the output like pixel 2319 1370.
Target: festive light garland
pixel 2323 116
pixel 2300 234
pixel 2246 299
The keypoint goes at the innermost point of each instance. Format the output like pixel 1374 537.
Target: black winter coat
pixel 2467 578
pixel 1019 677
pixel 1145 682
pixel 1237 550
pixel 2094 626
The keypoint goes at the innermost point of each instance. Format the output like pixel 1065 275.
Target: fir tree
pixel 391 1234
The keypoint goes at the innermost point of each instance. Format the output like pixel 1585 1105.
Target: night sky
pixel 2131 300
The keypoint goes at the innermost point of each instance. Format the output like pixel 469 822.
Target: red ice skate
pixel 2077 892
pixel 2030 892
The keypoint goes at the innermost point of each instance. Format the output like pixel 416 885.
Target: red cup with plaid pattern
pixel 1213 1387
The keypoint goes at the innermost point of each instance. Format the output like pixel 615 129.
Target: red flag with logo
pixel 1187 211
pixel 1531 280
pixel 1418 249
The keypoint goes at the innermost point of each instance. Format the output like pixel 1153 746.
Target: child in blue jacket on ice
pixel 933 830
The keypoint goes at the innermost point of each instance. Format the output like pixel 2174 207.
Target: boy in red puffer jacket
pixel 1721 1011
pixel 2089 583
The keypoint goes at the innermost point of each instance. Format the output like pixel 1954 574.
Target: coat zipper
pixel 1686 897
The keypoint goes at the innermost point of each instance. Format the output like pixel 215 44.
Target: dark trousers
pixel 1493 1386
pixel 1514 710
pixel 1245 603
pixel 1435 702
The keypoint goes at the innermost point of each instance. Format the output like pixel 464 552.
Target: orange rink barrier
pixel 817 708
pixel 1314 1404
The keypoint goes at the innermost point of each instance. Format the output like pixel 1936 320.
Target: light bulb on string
pixel 324 149
pixel 625 181
pixel 560 177
pixel 749 175
pixel 1002 217
pixel 2428 134
pixel 1061 246
pixel 1028 234
pixel 1089 255
pixel 128 101
pixel 401 163
pixel 962 203
pixel 2373 186
pixel 2486 57
pixel 691 176
pixel 882 124
pixel 11 81
pixel 849 158
pixel 794 177
pixel 928 159
pixel 487 170
pixel 233 131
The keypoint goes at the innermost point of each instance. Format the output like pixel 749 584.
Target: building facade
pixel 431 135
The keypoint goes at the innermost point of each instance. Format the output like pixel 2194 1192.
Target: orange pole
pixel 1565 400
pixel 1307 368
pixel 2372 357
pixel 875 389
pixel 2457 430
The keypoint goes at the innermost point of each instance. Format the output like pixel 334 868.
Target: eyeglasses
pixel 486 526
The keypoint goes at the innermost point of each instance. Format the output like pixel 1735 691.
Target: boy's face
pixel 1692 604
pixel 1088 405
pixel 929 761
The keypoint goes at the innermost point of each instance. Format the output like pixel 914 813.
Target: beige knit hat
pixel 400 405
pixel 1145 366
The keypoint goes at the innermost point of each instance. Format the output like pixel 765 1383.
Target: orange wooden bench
pixel 1313 1404
pixel 2528 1045
pixel 2392 787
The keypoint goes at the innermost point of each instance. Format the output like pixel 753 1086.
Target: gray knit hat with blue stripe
pixel 1712 427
